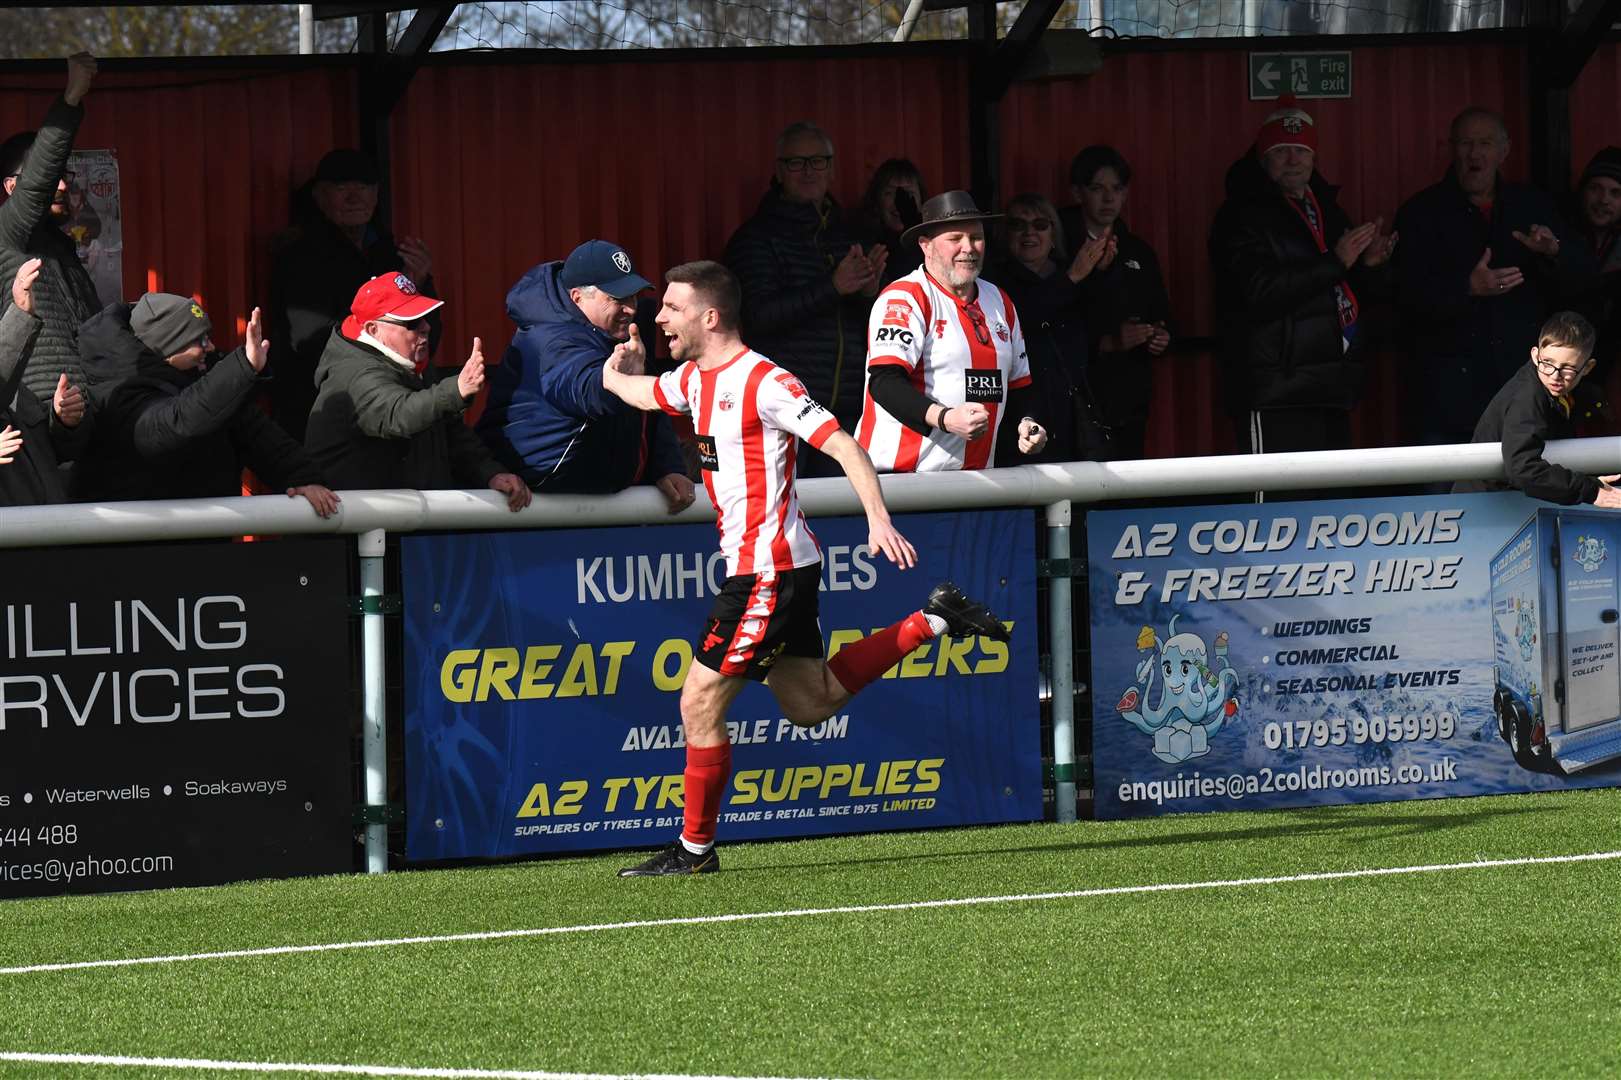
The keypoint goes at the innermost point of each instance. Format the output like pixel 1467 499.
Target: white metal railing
pixel 372 514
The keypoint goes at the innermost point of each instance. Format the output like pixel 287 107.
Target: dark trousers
pixel 1285 431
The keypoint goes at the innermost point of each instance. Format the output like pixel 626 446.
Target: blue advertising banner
pixel 544 672
pixel 1297 654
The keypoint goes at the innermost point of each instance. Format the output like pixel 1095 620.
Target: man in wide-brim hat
pixel 944 350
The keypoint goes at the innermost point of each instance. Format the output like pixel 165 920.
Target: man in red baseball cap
pixel 376 423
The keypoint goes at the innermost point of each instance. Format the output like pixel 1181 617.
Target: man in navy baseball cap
pixel 602 265
pixel 548 417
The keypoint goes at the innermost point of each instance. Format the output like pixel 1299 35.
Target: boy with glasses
pixel 1536 405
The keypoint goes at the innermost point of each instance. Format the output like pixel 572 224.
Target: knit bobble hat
pixel 1287 125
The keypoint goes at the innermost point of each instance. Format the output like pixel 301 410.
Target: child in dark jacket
pixel 1536 405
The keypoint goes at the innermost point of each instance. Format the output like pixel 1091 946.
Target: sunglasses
pixel 1022 224
pixel 977 319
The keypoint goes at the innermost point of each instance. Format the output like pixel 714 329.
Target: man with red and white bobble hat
pixel 748 414
pixel 944 350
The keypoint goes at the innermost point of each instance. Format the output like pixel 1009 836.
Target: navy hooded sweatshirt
pixel 549 417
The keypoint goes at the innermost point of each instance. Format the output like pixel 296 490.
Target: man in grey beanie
pixel 173 424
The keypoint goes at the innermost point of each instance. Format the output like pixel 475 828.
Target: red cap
pixel 1288 125
pixel 388 296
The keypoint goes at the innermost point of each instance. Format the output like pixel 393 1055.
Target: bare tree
pixel 164 30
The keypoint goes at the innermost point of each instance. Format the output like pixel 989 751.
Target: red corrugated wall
pixel 1595 107
pixel 206 159
pixel 1181 117
pixel 499 167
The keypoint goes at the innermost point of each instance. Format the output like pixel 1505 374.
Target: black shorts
pixel 759 617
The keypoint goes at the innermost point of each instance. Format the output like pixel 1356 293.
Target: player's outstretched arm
pixel 881 535
pixel 621 374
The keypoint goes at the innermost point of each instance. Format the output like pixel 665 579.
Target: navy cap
pixel 604 265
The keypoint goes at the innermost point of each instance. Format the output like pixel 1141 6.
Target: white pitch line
pixel 800 913
pixel 335 1069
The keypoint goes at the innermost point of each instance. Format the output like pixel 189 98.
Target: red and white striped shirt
pixel 746 414
pixel 956 353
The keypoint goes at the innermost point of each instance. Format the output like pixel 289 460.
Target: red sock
pixel 860 662
pixel 708 768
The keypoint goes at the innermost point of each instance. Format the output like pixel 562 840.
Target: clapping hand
pixel 11 441
pixel 1378 252
pixel 416 257
pixel 854 272
pixel 1540 240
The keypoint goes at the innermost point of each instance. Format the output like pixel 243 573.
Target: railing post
pixel 374 719
pixel 1061 640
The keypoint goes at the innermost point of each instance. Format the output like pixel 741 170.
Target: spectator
pixel 807 282
pixel 1534 406
pixel 1482 265
pixel 946 352
pixel 1289 269
pixel 42 437
pixel 1126 308
pixel 333 248
pixel 548 417
pixel 34 167
pixel 1045 287
pixel 376 424
pixel 889 208
pixel 171 430
pixel 1598 222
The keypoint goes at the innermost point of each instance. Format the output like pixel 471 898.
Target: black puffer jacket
pixel 163 433
pixel 1049 310
pixel 1131 287
pixel 1275 296
pixel 784 258
pixel 32 477
pixel 64 295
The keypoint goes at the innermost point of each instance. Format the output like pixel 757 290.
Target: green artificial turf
pixel 1508 971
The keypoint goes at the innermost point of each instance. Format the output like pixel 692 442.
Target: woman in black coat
pixel 1045 285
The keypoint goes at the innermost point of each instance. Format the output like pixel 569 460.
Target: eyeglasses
pixel 1554 369
pixel 1021 224
pixel 977 318
pixel 815 162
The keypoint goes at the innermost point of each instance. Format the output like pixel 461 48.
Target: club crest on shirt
pixel 726 401
pixel 791 384
pixel 1002 332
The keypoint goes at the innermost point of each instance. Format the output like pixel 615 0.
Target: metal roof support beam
pixel 984 112
pixel 1556 63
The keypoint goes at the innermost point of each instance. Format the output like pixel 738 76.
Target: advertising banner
pixel 96 219
pixel 1297 654
pixel 544 672
pixel 174 715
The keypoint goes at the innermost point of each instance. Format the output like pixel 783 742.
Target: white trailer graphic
pixel 1555 610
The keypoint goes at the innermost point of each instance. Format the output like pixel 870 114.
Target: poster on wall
pixel 1298 654
pixel 545 669
pixel 96 219
pixel 174 715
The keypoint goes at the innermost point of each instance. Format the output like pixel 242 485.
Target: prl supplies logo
pixel 1589 553
pixel 1197 695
